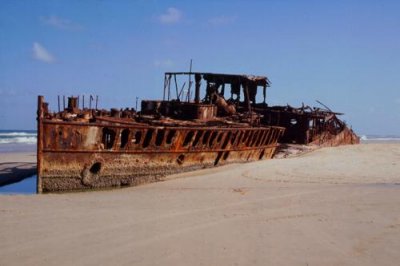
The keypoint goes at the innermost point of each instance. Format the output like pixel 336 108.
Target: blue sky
pixel 344 53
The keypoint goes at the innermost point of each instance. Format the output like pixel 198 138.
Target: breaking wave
pixel 380 138
pixel 18 137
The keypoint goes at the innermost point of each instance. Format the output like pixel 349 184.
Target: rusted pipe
pixel 197 78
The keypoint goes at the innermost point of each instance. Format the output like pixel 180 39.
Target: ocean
pixel 18 140
pixel 379 138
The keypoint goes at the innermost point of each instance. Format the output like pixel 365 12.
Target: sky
pixel 345 54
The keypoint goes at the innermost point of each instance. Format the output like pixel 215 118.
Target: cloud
pixel 163 63
pixel 171 16
pixel 40 53
pixel 60 23
pixel 221 20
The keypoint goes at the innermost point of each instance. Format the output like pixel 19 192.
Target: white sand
pixel 334 206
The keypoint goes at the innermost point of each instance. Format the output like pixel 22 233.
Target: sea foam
pixel 18 137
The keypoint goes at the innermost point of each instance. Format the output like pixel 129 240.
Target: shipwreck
pixel 86 148
pixel 82 147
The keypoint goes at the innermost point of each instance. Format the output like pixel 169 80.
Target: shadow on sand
pixel 13 172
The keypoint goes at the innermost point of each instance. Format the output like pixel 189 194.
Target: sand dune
pixel 334 206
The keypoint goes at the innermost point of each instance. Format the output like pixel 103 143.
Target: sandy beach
pixel 333 206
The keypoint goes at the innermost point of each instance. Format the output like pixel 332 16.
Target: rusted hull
pixel 345 137
pixel 63 172
pixel 77 156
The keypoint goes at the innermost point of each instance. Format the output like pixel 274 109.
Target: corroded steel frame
pixel 110 152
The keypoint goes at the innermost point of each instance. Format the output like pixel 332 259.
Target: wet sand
pixel 333 206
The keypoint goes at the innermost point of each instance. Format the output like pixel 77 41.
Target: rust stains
pixel 84 147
